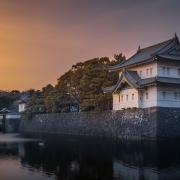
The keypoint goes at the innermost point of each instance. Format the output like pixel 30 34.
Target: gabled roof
pixel 24 98
pixel 133 79
pixel 168 80
pixel 149 53
pixel 130 77
pixel 170 57
pixel 23 101
pixel 4 111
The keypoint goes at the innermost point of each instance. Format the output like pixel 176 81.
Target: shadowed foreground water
pixel 88 159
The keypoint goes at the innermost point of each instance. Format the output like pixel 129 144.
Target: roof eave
pixel 147 85
pixel 164 58
pixel 134 65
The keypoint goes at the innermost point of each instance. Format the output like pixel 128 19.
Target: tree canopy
pixel 7 99
pixel 81 85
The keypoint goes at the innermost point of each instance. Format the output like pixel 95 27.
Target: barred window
pixel 164 95
pixel 140 73
pixel 126 97
pixel 178 72
pixel 151 71
pixel 147 72
pixel 121 97
pixel 175 95
pixel 164 70
pixel 132 96
pixel 168 71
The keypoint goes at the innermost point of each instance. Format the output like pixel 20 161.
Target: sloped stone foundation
pixel 150 123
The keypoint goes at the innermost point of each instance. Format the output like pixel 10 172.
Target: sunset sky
pixel 41 39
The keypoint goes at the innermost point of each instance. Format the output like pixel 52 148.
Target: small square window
pixel 121 97
pixel 178 95
pixel 168 71
pixel 178 72
pixel 164 70
pixel 126 97
pixel 147 72
pixel 140 98
pixel 132 96
pixel 151 71
pixel 175 95
pixel 164 95
pixel 140 73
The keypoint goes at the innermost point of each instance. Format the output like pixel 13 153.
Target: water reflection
pixel 75 159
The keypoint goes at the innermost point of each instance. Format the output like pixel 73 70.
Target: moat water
pixel 87 159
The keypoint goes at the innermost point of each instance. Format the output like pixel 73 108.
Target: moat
pixel 69 158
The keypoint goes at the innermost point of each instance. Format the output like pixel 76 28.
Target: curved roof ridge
pixel 146 54
pixel 170 43
pixel 143 49
pixel 163 42
pixel 117 65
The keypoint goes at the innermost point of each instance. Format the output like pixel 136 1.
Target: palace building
pixel 150 78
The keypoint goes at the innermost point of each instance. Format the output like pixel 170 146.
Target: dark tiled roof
pixel 109 89
pixel 146 82
pixel 168 80
pixel 166 56
pixel 4 110
pixel 136 82
pixel 130 76
pixel 112 88
pixel 22 101
pixel 146 54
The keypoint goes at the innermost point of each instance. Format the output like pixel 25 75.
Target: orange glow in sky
pixel 41 39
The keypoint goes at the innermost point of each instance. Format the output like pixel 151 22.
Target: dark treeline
pixel 81 85
pixel 7 99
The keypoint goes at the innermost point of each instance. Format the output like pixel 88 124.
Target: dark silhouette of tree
pixel 119 58
pixel 82 84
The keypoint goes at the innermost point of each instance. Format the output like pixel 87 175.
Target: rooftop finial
pixel 139 48
pixel 176 37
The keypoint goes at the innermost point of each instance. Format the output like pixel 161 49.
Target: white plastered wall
pixel 151 68
pixel 127 98
pixel 173 71
pixel 149 97
pixel 22 107
pixel 171 98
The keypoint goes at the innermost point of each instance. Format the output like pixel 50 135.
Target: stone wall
pixel 12 125
pixel 168 122
pixel 148 123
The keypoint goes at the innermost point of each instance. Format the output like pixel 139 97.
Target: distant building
pixel 23 102
pixel 22 106
pixel 9 121
pixel 150 78
pixel 74 107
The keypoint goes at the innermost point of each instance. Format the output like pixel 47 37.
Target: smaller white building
pixel 150 78
pixel 22 106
